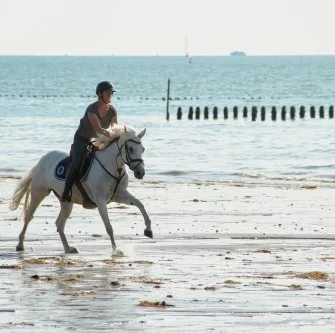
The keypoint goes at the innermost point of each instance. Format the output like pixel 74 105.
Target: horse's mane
pixel 121 132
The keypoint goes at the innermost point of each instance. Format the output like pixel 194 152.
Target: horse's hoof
pixel 19 248
pixel 117 253
pixel 72 250
pixel 148 233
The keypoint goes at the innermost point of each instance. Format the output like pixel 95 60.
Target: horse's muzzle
pixel 139 171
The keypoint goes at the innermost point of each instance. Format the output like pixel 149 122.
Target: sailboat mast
pixel 186 46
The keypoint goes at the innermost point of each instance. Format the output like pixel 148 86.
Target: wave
pixel 316 167
pixel 9 173
pixel 294 178
pixel 8 170
pixel 173 173
pixel 9 177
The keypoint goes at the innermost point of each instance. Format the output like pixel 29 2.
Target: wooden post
pixel 197 112
pixel 235 112
pixel 225 112
pixel 245 112
pixel 263 111
pixel 179 113
pixel 283 113
pixel 292 112
pixel 167 101
pixel 206 113
pixel 190 113
pixel 302 111
pixel 322 111
pixel 274 113
pixel 215 112
pixel 253 113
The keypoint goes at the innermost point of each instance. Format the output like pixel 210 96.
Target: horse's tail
pixel 23 188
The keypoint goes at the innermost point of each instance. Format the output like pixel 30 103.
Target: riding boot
pixel 78 149
pixel 70 178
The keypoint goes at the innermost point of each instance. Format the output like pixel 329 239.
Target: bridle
pixel 129 161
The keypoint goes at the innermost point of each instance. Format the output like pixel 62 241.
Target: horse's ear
pixel 125 129
pixel 141 134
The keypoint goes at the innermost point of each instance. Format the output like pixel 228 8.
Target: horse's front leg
pixel 102 208
pixel 128 199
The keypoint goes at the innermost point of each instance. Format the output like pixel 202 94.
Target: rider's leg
pixel 78 150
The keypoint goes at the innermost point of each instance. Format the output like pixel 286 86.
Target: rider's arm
pixel 114 120
pixel 94 120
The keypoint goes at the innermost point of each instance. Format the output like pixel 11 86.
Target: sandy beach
pixel 226 257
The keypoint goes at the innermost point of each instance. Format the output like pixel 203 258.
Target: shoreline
pixel 251 181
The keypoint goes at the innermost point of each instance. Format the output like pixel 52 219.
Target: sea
pixel 42 99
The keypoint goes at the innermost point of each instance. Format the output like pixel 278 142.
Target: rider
pixel 97 118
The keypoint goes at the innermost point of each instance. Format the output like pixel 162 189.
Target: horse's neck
pixel 110 157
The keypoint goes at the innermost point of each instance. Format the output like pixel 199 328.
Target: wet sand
pixel 226 257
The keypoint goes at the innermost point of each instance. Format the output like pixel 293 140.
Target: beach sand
pixel 226 257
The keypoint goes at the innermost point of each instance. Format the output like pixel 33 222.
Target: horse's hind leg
pixel 36 197
pixel 65 211
pixel 128 199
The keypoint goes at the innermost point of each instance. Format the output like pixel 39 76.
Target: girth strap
pixel 87 202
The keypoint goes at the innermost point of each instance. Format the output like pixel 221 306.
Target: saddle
pixel 63 166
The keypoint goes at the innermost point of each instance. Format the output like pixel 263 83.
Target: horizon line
pixel 166 55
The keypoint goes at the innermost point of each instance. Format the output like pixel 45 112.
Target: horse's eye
pixel 131 150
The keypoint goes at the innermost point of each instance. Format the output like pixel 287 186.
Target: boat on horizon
pixel 237 53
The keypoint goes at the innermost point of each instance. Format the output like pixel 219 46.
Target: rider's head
pixel 104 91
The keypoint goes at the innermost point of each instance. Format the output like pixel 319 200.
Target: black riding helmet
pixel 104 85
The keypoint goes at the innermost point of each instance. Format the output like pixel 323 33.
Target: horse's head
pixel 131 149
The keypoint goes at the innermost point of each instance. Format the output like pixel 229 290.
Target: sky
pixel 167 27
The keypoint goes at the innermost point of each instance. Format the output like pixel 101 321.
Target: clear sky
pixel 167 27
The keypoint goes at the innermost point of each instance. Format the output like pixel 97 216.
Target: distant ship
pixel 237 53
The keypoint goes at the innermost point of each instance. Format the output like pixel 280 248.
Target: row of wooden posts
pixel 283 112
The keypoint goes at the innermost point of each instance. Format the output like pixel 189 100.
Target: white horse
pixel 106 181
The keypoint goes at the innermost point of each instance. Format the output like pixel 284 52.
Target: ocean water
pixel 43 98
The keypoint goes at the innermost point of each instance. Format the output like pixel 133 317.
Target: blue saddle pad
pixel 61 168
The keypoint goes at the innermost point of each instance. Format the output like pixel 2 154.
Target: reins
pixel 128 162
